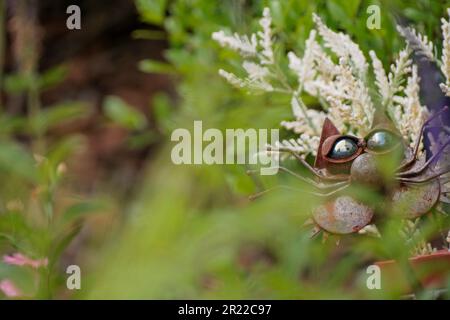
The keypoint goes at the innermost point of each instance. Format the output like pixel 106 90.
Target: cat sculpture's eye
pixel 343 148
pixel 382 140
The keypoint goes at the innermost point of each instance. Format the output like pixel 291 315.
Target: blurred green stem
pixel 34 108
pixel 28 12
pixel 2 46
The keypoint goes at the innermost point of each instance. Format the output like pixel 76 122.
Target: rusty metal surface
pixel 364 170
pixel 343 215
pixel 416 200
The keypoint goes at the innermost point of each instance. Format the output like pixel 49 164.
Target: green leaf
pixel 19 83
pixel 162 111
pixel 82 209
pixel 152 11
pixel 151 66
pixel 339 13
pixel 415 14
pixel 148 34
pixel 16 160
pixel 62 243
pixel 16 83
pixel 15 230
pixel 12 124
pixel 124 115
pixel 58 114
pixel 52 77
pixel 23 278
pixel 64 149
pixel 4 236
pixel 142 140
pixel 351 7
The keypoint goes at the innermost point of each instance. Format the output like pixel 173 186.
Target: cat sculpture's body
pixel 414 188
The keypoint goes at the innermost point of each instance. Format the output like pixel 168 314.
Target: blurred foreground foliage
pixel 38 217
pixel 192 233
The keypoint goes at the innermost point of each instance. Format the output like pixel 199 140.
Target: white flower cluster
pixel 303 145
pixel 265 38
pixel 423 248
pixel 444 160
pixel 305 68
pixel 256 79
pixel 407 112
pixel 351 108
pixel 445 61
pixel 425 48
pixel 413 235
pixel 381 79
pixel 257 47
pixel 341 44
pixel 308 140
pixel 418 42
pixel 448 239
pixel 402 103
pixel 339 87
pixel 243 44
pixel 300 125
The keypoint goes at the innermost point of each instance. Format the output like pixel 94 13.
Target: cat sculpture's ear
pixel 382 122
pixel 328 130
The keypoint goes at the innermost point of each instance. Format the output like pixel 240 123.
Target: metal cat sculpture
pixel 343 160
pixel 368 125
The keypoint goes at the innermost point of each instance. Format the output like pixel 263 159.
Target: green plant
pixel 193 233
pixel 37 221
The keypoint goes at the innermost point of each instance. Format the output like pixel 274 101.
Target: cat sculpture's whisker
pixel 426 179
pixel 307 180
pixel 313 170
pixel 264 192
pixel 413 158
pixel 426 164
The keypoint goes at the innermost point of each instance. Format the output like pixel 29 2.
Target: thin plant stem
pixel 28 10
pixel 34 108
pixel 2 45
pixel 296 96
pixel 303 108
